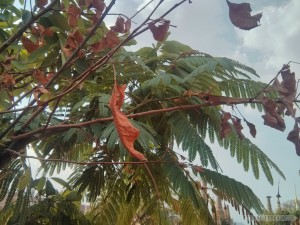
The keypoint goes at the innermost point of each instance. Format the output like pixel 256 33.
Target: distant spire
pixel 278 199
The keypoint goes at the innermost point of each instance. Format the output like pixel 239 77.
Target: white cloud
pixel 276 41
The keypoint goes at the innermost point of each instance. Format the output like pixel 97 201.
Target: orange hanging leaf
pixel 40 77
pixel 127 132
pixel 73 15
pixel 225 127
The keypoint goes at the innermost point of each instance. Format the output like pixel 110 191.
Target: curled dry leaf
pixel 225 127
pixel 251 127
pixel 159 32
pixel 29 45
pixel 40 77
pixel 121 26
pixel 238 127
pixel 240 16
pixel 293 136
pixel 272 118
pixel 127 132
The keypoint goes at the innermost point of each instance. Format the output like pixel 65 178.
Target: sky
pixel 205 26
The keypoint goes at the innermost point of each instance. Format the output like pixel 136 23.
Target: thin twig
pixel 141 9
pixel 61 128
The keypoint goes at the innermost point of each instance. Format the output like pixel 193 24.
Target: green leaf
pixel 74 196
pixel 40 184
pixel 24 179
pixel 26 16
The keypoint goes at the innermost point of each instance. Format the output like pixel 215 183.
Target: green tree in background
pixel 62 77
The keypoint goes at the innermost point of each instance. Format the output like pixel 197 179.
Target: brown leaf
pixel 7 80
pixel 252 128
pixel 293 136
pixel 73 15
pixel 29 45
pixel 98 46
pixel 77 37
pixel 272 117
pixel 240 16
pixel 40 77
pixel 159 32
pixel 119 26
pixel 238 127
pixel 112 39
pixel 127 133
pixel 225 127
pixel 271 121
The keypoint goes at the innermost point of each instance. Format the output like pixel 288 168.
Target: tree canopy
pixel 75 94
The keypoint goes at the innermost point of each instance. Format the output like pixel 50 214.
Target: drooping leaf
pixel 127 133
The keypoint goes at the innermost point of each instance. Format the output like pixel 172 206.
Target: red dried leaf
pixel 67 51
pixel 28 44
pixel 272 118
pixel 48 32
pixel 238 127
pixel 240 16
pixel 252 128
pixel 7 80
pixel 99 5
pixel 159 32
pixel 40 77
pixel 225 127
pixel 293 136
pixel 127 133
pixel 98 46
pixel 112 39
pixel 119 26
pixel 77 37
pixel 73 15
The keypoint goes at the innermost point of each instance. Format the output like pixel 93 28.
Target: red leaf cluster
pixel 110 40
pixel 287 91
pixel 272 118
pixel 127 132
pixel 121 25
pixel 159 32
pixel 240 16
pixel 236 122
